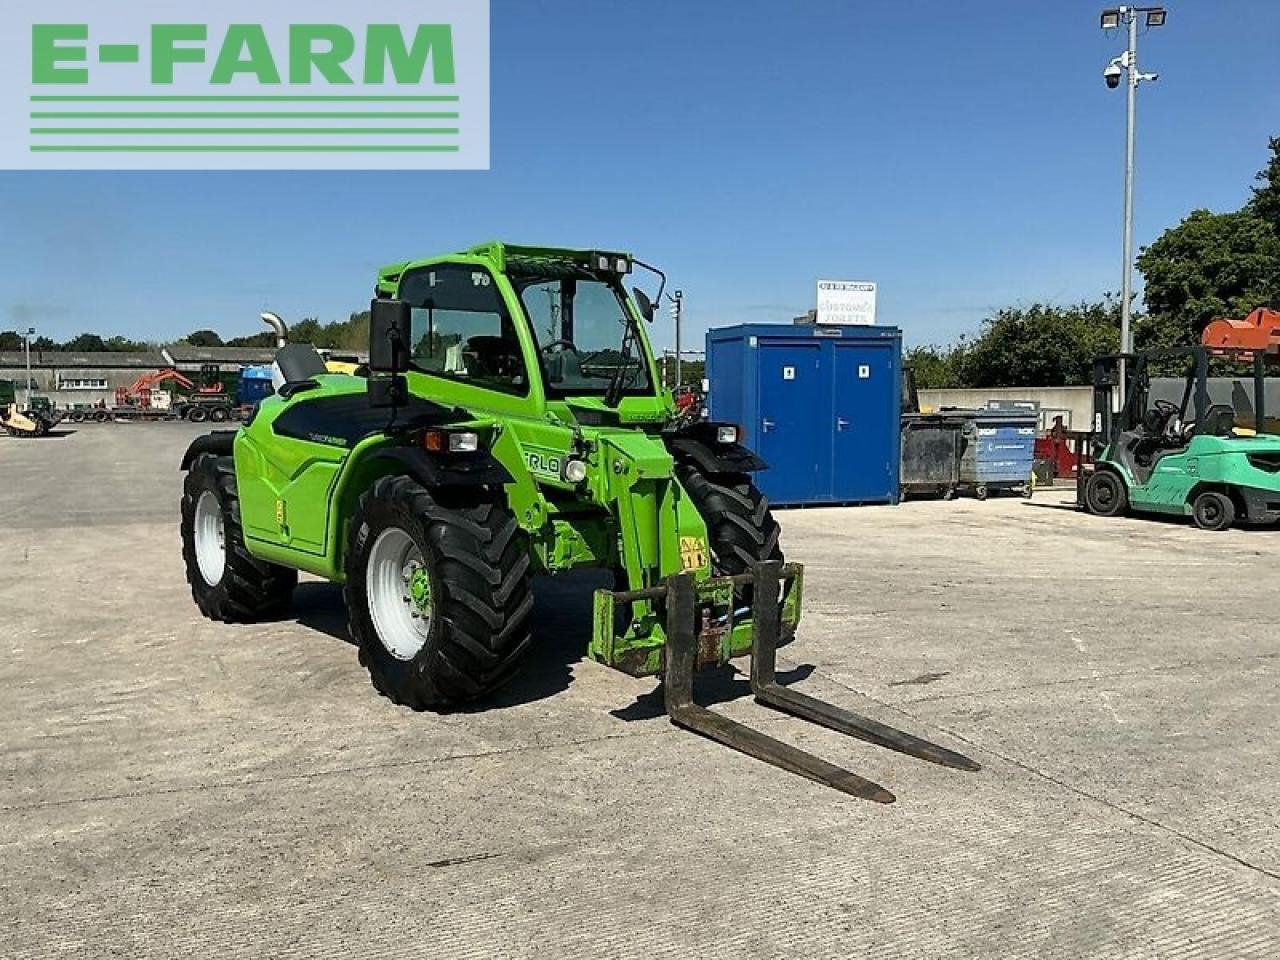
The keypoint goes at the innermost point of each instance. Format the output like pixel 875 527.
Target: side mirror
pixel 390 333
pixel 644 303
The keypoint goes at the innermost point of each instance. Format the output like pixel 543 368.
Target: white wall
pixel 1074 403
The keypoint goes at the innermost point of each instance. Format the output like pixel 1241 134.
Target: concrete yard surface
pixel 172 787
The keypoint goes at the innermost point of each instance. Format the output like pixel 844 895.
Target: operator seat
pixel 1219 421
pixel 493 356
pixel 295 364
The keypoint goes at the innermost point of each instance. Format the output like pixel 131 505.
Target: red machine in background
pixel 1259 332
pixel 138 393
pixel 208 400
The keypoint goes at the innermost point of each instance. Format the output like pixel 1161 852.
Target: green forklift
pixel 1190 456
pixel 510 423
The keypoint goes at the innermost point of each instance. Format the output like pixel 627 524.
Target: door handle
pixel 765 425
pixel 841 423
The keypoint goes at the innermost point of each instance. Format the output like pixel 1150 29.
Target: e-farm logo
pixel 178 84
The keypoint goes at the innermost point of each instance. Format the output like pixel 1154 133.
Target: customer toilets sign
pixel 242 84
pixel 846 301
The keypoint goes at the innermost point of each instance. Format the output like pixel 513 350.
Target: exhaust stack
pixel 275 323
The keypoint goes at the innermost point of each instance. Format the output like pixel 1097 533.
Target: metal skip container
pixel 931 453
pixel 997 451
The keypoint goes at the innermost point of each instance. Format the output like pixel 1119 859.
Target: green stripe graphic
pixel 243 148
pixel 241 99
pixel 118 53
pixel 266 131
pixel 235 115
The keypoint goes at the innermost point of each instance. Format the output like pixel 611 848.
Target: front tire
pixel 741 529
pixel 1105 494
pixel 227 582
pixel 1213 511
pixel 437 592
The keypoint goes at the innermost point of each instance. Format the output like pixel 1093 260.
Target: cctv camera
pixel 1112 75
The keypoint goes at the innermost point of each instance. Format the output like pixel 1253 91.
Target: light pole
pixel 677 314
pixel 1126 65
pixel 30 332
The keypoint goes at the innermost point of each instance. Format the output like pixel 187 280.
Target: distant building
pixel 187 359
pixel 71 378
pixel 87 378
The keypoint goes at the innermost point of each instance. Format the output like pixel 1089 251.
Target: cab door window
pixel 462 329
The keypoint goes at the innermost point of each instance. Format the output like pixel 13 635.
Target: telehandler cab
pixel 510 423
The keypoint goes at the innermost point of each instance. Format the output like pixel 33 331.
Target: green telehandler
pixel 510 422
pixel 1188 457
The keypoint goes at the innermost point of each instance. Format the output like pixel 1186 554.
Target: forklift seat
pixel 1219 421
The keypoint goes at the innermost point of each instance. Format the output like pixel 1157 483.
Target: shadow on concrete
pixel 54 434
pixel 561 632
pixel 710 686
pixel 1067 505
pixel 318 605
pixel 561 635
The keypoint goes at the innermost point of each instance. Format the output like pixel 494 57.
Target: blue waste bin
pixel 997 450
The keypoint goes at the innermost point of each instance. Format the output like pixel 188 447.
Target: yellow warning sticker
pixel 693 556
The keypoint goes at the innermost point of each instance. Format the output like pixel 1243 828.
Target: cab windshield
pixel 586 335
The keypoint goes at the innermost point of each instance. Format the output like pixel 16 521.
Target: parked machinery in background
pixel 1194 457
pixel 18 421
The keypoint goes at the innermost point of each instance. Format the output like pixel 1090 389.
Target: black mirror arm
pixel 662 279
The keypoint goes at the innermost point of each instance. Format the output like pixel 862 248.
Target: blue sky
pixel 965 156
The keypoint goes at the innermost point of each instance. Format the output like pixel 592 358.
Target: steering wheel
pixel 1166 407
pixel 562 344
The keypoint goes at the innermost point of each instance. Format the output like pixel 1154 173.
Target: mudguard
pixel 218 442
pixel 696 444
pixel 446 470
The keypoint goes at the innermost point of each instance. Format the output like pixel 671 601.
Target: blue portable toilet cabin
pixel 820 404
pixel 255 383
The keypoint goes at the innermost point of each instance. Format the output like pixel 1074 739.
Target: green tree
pixel 1266 198
pixel 85 343
pixel 124 345
pixel 1211 265
pixel 1041 345
pixel 10 340
pixel 936 367
pixel 204 338
pixel 259 340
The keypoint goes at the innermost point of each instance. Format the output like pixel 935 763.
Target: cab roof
pixel 501 255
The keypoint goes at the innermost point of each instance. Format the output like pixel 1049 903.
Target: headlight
pixel 726 434
pixel 451 441
pixel 575 471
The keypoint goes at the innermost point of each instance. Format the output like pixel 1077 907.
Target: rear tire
pixel 741 530
pixel 228 584
pixel 463 563
pixel 219 414
pixel 1105 494
pixel 1213 511
pixel 197 414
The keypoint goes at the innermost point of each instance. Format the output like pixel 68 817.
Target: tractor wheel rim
pixel 210 537
pixel 399 592
pixel 1212 512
